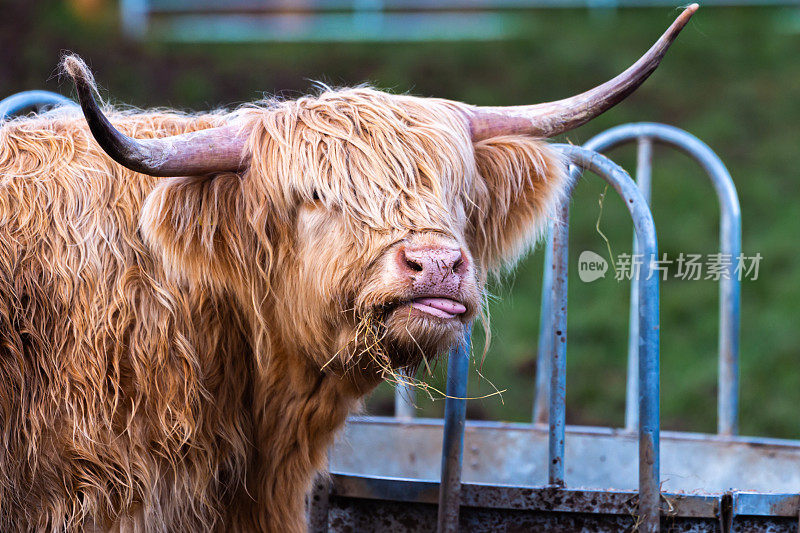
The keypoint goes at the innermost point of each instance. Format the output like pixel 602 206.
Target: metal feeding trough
pixel 546 476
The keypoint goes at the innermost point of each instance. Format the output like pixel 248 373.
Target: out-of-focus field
pixel 732 78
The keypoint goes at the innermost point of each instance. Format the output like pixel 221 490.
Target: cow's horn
pixel 552 118
pixel 189 154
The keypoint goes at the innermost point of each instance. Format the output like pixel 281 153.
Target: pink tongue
pixel 441 307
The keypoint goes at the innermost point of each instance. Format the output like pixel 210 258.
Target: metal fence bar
pixel 649 334
pixel 455 414
pixel 404 395
pixel 644 158
pixel 730 245
pixel 558 342
pixel 26 100
pixel 545 346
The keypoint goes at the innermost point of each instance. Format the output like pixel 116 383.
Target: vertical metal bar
pixel 644 158
pixel 730 235
pixel 404 395
pixel 558 333
pixel 544 353
pixel 649 391
pixel 455 413
pixel 649 334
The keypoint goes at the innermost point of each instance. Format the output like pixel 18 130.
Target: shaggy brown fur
pixel 178 353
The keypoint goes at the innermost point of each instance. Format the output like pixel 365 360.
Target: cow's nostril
pixel 413 265
pixel 427 261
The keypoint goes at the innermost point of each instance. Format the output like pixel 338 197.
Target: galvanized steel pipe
pixel 649 334
pixel 730 245
pixel 25 100
pixel 455 414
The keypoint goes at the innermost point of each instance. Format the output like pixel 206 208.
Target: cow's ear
pixel 520 185
pixel 191 224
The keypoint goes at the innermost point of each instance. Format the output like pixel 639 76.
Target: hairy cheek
pixel 322 252
pixel 317 291
pixel 381 283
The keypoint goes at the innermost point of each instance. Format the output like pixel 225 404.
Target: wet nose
pixel 429 262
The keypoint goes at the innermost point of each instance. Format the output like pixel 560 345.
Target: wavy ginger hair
pixel 166 343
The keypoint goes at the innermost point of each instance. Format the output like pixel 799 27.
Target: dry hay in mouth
pixel 367 344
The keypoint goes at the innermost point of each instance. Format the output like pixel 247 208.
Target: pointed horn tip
pixel 81 76
pixel 687 13
pixel 76 68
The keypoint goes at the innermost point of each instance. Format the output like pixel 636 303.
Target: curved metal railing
pixel 648 355
pixel 31 100
pixel 645 134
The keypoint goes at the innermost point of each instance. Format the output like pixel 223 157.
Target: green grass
pixel 732 79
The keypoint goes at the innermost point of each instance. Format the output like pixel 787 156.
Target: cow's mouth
pixel 437 308
pixel 444 308
pixel 420 327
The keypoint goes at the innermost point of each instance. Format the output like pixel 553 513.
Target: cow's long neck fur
pixel 299 411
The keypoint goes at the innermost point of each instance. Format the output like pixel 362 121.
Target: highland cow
pixel 178 352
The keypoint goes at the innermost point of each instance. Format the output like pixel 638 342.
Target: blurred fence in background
pixel 352 20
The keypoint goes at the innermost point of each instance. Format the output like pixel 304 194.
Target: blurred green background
pixel 732 79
